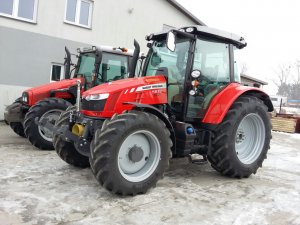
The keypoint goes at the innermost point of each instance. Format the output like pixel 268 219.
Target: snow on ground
pixel 37 187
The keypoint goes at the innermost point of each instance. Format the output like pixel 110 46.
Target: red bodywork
pixel 36 94
pixel 152 90
pixel 143 90
pixel 221 103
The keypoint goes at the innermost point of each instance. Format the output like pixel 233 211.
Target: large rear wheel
pixel 242 140
pixel 49 108
pixel 65 149
pixel 131 152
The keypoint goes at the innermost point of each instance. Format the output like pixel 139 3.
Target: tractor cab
pixel 197 62
pixel 99 65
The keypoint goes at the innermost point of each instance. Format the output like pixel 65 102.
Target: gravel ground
pixel 37 187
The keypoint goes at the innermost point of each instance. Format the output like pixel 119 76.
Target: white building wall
pixel 9 93
pixel 113 22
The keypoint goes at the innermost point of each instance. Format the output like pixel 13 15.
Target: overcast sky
pixel 270 27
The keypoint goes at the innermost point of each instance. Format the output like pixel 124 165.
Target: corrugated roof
pixel 186 12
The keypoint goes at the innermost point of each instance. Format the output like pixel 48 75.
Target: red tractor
pixel 94 66
pixel 188 100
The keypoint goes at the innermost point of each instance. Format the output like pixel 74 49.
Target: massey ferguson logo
pixel 151 87
pixel 146 88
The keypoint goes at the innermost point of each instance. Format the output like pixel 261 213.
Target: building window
pixel 57 72
pixel 19 9
pixel 79 12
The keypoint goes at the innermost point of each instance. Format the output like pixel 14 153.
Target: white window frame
pixel 77 14
pixel 62 71
pixel 15 11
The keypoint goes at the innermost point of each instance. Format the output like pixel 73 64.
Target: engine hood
pixel 38 93
pixel 124 85
pixel 119 96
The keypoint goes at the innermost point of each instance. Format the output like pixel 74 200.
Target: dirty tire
pixel 18 128
pixel 66 150
pixel 228 138
pixel 32 129
pixel 107 147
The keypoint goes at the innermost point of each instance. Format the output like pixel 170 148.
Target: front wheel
pixel 131 152
pixel 242 140
pixel 49 108
pixel 65 149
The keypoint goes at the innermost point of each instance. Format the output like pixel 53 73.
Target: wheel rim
pixel 139 156
pixel 250 138
pixel 51 116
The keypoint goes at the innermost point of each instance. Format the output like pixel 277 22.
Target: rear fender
pixel 221 103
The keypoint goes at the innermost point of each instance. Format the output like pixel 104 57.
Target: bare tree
pixel 288 80
pixel 283 73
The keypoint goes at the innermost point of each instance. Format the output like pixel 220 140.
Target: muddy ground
pixel 37 187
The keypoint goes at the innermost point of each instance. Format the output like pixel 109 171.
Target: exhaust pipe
pixel 98 60
pixel 135 59
pixel 78 82
pixel 67 64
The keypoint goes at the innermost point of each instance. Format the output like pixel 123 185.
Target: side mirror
pixel 171 44
pixel 196 74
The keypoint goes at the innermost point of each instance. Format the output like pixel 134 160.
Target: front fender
pixel 221 103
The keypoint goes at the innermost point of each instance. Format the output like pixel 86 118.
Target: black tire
pixel 223 156
pixel 66 150
pixel 37 111
pixel 107 143
pixel 18 128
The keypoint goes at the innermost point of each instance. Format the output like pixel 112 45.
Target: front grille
pixel 93 105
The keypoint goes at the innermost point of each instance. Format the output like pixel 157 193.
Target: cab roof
pixel 109 49
pixel 234 39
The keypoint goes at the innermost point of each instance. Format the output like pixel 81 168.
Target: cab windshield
pixel 211 58
pixel 112 67
pixel 86 64
pixel 170 64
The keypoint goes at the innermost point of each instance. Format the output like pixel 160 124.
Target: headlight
pixel 97 97
pixel 25 97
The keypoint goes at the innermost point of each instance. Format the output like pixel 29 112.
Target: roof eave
pixel 186 12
